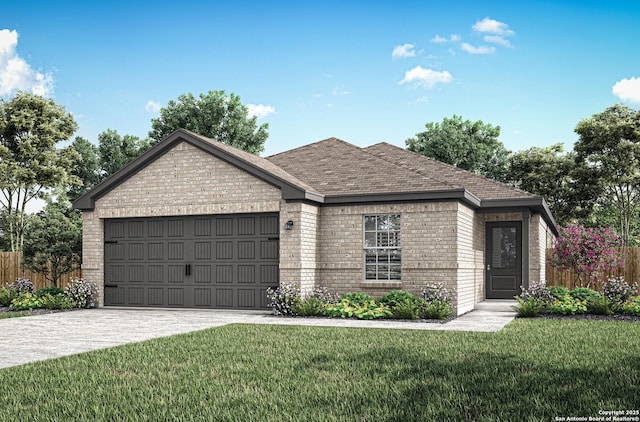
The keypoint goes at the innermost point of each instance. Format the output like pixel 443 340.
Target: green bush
pixel 584 294
pixel 395 297
pixel 58 301
pixel 532 307
pixel 348 309
pixel 51 290
pixel 408 309
pixel 632 306
pixel 569 305
pixel 558 292
pixel 26 301
pixel 600 306
pixel 357 298
pixel 311 306
pixel 7 295
pixel 435 309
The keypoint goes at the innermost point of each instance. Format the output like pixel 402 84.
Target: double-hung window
pixel 382 253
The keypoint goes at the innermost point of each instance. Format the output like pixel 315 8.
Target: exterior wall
pixel 299 246
pixel 428 241
pixel 184 181
pixel 470 247
pixel 541 238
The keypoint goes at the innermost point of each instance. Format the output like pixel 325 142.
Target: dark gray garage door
pixel 215 261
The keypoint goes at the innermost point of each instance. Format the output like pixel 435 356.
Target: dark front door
pixel 503 259
pixel 209 261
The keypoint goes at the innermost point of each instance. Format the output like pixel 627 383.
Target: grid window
pixel 382 253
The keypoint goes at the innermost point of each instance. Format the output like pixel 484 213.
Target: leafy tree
pixel 214 115
pixel 53 242
pixel 548 172
pixel 609 147
pixel 472 146
pixel 116 151
pixel 589 252
pixel 87 168
pixel 30 163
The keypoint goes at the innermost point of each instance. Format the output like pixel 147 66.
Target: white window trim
pixel 365 247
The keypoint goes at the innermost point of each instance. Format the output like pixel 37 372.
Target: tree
pixel 609 147
pixel 30 163
pixel 53 242
pixel 224 119
pixel 472 146
pixel 587 251
pixel 116 151
pixel 86 168
pixel 548 172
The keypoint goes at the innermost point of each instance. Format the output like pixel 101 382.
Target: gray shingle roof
pixel 334 167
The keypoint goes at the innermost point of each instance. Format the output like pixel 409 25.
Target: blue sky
pixel 319 69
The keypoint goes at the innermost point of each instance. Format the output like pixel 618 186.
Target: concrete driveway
pixel 40 337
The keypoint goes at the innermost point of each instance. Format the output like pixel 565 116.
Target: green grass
pixel 5 315
pixel 530 370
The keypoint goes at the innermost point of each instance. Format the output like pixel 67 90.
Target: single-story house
pixel 196 223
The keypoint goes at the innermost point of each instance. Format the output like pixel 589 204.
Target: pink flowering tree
pixel 589 252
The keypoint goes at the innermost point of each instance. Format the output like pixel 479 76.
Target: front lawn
pixel 530 370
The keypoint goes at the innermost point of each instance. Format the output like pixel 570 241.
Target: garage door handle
pixel 187 269
pixel 110 285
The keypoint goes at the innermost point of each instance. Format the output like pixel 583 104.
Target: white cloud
pixel 403 51
pixel 477 50
pixel 419 100
pixel 16 73
pixel 455 38
pixel 497 39
pixel 627 90
pixel 438 39
pixel 152 106
pixel 260 110
pixel 427 78
pixel 338 91
pixel 492 26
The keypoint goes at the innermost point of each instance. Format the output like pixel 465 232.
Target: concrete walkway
pixel 40 337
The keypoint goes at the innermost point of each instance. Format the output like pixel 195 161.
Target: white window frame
pixel 382 249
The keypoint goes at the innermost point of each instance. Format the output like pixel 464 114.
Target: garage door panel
pixel 195 261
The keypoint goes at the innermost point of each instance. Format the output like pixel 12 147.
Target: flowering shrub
pixel 313 304
pixel 569 305
pixel 437 291
pixel 82 293
pixel 284 299
pixel 617 290
pixel 22 285
pixel 324 295
pixel 589 252
pixel 537 290
pixel 632 306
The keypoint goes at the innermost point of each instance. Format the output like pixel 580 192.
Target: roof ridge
pixel 458 169
pixel 333 138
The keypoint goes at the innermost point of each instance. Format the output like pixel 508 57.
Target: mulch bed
pixel 592 317
pixel 5 309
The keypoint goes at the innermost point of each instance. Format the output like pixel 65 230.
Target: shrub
pixel 324 295
pixel 632 306
pixel 537 290
pixel 600 306
pixel 51 290
pixel 22 285
pixel 394 297
pixel 569 305
pixel 617 290
pixel 26 301
pixel 7 295
pixel 284 299
pixel 347 309
pixel 437 292
pixel 584 294
pixel 82 293
pixel 357 298
pixel 529 308
pixel 558 292
pixel 311 306
pixel 50 301
pixel 435 309
pixel 407 309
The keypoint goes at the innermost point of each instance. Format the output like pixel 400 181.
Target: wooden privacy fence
pixel 630 271
pixel 10 269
